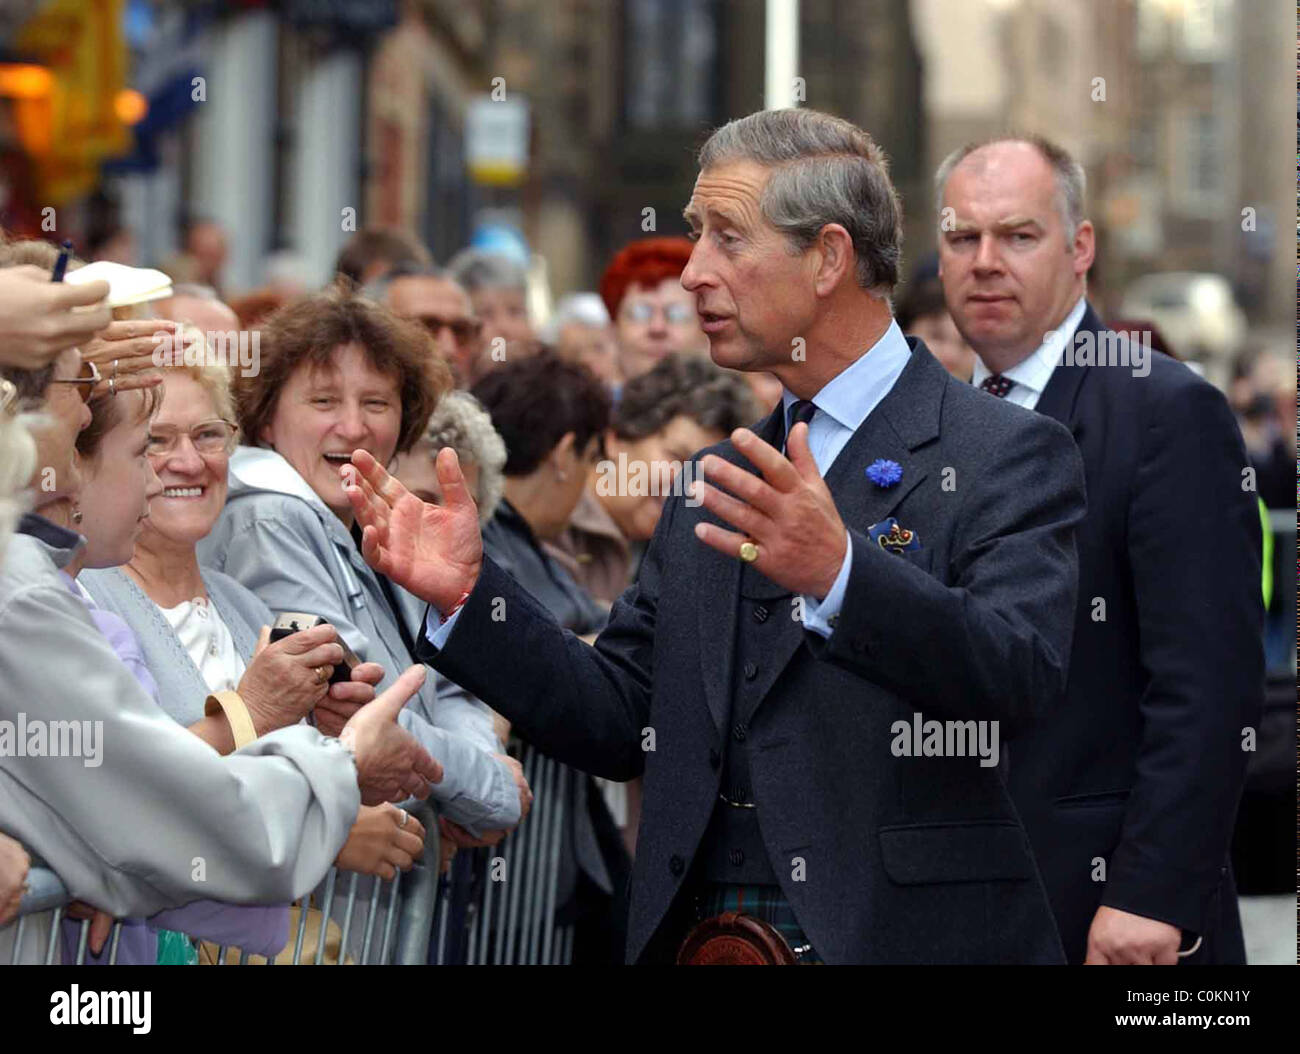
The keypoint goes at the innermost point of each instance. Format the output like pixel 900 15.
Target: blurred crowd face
pixel 417 473
pixel 592 346
pixel 941 335
pixel 207 244
pixel 664 452
pixel 444 309
pixel 504 313
pixel 326 412
pixel 209 316
pixel 57 482
pixel 752 294
pixel 119 487
pixel 1009 273
pixel 570 467
pixel 192 481
pixel 654 320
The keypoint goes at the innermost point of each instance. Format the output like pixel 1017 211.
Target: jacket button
pixel 715 759
pixel 760 613
pixel 751 671
pixel 740 732
pixel 736 856
pixel 676 864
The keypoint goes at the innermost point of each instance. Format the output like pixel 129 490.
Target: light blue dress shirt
pixel 842 405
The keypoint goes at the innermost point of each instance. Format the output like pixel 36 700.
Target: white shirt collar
pixel 856 390
pixel 1035 370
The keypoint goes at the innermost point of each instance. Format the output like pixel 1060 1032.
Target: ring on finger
pixel 405 816
pixel 322 674
pixel 115 362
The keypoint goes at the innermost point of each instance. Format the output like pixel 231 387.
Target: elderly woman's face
pixel 654 321
pixel 662 454
pixel 119 484
pixel 57 480
pixel 326 412
pixel 193 481
pixel 504 313
pixel 417 473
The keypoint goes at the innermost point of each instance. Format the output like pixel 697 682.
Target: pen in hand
pixel 61 264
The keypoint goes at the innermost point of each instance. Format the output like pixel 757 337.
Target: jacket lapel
pixel 719 591
pixel 905 421
pixel 1060 399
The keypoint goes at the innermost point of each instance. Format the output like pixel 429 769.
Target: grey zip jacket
pixel 279 540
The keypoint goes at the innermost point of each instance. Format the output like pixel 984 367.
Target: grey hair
pixel 1071 179
pixel 824 170
pixel 585 309
pixel 475 269
pixel 460 422
pixel 17 461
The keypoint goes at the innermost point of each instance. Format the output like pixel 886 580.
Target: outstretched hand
pixel 433 551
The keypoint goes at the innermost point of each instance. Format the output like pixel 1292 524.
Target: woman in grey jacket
pixel 132 812
pixel 337 373
pixel 198 631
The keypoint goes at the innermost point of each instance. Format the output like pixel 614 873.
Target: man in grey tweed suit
pixel 889 552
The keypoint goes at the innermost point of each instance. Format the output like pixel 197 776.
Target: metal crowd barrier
pixel 505 907
pixel 394 926
pixel 498 906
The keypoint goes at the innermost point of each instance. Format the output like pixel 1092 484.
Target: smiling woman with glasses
pixel 207 437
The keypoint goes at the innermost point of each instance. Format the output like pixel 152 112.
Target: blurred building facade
pixel 1172 106
pixel 295 122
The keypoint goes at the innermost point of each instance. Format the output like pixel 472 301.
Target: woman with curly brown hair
pixel 337 373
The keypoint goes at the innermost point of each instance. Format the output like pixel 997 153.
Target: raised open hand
pixel 433 551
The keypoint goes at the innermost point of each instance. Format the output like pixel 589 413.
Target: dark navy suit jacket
pixel 1143 766
pixel 884 858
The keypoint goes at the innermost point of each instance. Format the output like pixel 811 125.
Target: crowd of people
pixel 157 517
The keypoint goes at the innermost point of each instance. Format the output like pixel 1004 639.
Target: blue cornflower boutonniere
pixel 884 473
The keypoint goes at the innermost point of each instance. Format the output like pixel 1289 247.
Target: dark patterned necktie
pixel 800 410
pixel 996 384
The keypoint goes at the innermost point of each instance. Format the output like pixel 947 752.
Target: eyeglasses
pixel 87 379
pixel 463 329
pixel 641 311
pixel 207 437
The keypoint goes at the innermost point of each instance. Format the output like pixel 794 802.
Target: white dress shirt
pixel 1032 373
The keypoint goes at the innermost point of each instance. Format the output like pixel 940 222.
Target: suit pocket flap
pixel 955 852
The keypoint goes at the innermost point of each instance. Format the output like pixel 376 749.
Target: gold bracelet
pixel 241 724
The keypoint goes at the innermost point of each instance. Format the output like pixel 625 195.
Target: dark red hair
pixel 648 262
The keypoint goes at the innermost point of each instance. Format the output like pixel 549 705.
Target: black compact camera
pixel 288 622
